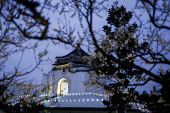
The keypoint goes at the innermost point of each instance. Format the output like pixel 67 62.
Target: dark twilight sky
pixel 61 49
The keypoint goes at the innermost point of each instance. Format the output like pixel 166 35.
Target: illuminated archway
pixel 62 88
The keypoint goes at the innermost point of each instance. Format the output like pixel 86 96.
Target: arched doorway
pixel 62 88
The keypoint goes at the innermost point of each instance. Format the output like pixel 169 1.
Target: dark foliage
pixel 158 101
pixel 118 18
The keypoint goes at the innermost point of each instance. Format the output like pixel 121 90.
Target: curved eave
pixel 63 65
pixel 68 64
pixel 75 53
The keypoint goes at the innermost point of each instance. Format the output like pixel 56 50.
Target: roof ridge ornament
pixel 78 45
pixel 78 49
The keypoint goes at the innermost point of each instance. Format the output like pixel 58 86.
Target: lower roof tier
pixel 69 65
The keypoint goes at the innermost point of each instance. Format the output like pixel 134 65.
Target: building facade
pixel 69 86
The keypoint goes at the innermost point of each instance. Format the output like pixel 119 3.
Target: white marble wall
pixel 75 84
pixel 75 81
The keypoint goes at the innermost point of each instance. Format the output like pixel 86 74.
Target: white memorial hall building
pixel 68 89
pixel 68 86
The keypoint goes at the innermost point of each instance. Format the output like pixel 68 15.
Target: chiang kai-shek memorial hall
pixel 67 88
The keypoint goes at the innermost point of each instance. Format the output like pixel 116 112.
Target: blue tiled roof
pixel 76 52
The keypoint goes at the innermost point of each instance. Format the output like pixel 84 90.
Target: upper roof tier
pixel 76 58
pixel 76 52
